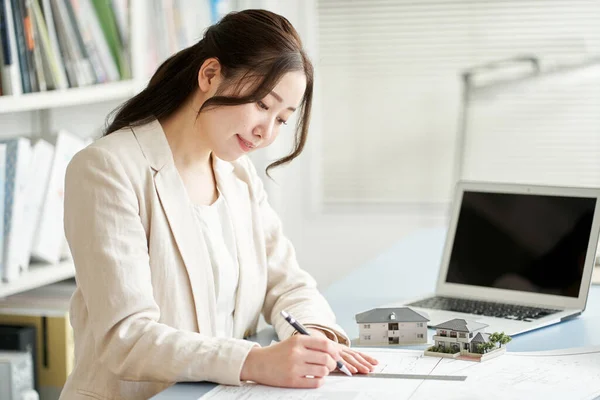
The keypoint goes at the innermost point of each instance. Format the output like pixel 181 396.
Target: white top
pixel 215 224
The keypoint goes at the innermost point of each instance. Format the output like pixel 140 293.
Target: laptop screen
pixel 531 243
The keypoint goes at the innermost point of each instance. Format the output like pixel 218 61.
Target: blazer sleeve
pixel 289 287
pixel 110 252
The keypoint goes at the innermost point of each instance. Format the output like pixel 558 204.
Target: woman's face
pixel 233 131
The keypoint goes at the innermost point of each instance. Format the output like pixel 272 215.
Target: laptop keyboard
pixel 489 309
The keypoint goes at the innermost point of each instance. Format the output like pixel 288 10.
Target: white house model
pixel 392 326
pixel 460 335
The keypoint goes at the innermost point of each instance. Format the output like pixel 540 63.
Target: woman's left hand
pixel 356 361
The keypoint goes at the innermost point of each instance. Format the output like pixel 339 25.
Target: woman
pixel 176 249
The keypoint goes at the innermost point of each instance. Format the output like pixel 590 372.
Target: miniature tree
pixel 500 338
pixel 494 337
pixel 480 348
pixel 503 338
pixel 488 346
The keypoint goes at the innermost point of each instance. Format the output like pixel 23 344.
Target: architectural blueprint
pixel 572 374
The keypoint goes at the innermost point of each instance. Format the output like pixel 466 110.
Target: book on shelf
pixel 95 41
pixel 176 24
pixel 57 44
pixel 11 75
pixel 121 11
pixel 108 23
pixel 39 65
pixel 56 78
pixel 53 53
pixel 70 38
pixel 13 10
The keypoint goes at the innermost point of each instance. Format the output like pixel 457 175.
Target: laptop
pixel 516 257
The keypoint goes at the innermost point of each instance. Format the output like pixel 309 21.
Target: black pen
pixel 302 330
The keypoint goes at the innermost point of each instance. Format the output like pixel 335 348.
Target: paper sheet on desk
pixel 572 374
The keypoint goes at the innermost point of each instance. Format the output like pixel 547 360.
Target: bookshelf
pixel 82 110
pixel 39 274
pixel 68 97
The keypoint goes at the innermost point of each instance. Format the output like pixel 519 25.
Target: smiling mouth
pixel 246 143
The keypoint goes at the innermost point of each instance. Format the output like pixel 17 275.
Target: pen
pixel 302 330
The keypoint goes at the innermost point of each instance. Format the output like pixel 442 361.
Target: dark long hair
pixel 255 46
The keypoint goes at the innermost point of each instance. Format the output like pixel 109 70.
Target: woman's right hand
pixel 286 364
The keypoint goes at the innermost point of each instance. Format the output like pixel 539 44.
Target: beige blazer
pixel 143 313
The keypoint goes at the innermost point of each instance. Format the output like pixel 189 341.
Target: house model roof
pixel 481 338
pixel 396 314
pixel 461 325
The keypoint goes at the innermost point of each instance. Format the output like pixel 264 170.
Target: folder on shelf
pixel 49 237
pixel 2 189
pixel 18 157
pixel 35 193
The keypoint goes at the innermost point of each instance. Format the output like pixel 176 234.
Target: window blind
pixel 540 129
pixel 389 75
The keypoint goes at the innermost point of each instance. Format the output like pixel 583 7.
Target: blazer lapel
pixel 237 197
pixel 174 200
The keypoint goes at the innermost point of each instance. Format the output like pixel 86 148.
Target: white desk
pixel 383 280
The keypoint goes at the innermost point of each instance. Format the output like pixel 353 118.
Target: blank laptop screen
pixel 522 242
